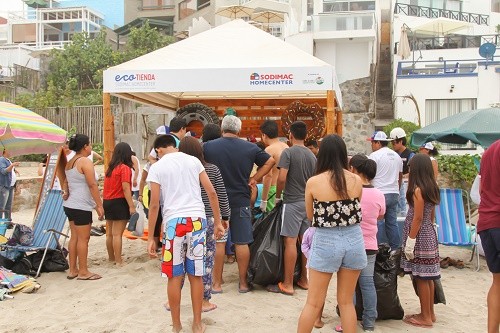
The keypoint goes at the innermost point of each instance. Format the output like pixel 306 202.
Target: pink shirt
pixel 372 206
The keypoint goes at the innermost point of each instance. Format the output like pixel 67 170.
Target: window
pixel 344 6
pixel 203 4
pixel 437 109
pixel 310 7
pixel 186 8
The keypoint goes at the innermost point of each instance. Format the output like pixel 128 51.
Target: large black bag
pixel 23 266
pixel 266 251
pixel 55 261
pixel 386 283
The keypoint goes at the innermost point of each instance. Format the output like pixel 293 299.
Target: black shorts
pixel 116 209
pixel 490 240
pixel 78 216
pixel 159 221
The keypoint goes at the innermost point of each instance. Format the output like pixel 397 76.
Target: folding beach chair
pixel 452 226
pixel 47 227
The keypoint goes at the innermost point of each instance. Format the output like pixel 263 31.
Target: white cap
pixel 428 145
pixel 162 130
pixel 397 133
pixel 379 136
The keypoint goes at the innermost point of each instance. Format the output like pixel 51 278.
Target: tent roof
pixel 234 60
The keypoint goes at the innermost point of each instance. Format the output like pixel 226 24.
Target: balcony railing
pixel 453 42
pixel 437 68
pixel 421 11
pixel 242 2
pixel 343 21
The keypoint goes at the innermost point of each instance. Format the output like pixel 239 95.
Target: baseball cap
pixel 378 136
pixel 428 145
pixel 397 133
pixel 164 129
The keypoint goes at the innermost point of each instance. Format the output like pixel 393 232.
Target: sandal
pixel 445 263
pixel 459 264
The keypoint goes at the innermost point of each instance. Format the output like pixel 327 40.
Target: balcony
pixel 156 5
pixel 453 42
pixel 343 25
pixel 421 11
pixel 428 69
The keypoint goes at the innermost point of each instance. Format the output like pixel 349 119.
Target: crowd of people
pixel 199 199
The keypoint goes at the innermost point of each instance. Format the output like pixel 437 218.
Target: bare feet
pixel 200 328
pixel 418 321
pixel 303 284
pixel 177 329
pixel 319 323
pixel 206 306
pixel 433 316
pixel 72 274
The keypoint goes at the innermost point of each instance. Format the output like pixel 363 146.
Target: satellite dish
pixel 487 50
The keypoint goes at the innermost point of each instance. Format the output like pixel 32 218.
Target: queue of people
pixel 200 197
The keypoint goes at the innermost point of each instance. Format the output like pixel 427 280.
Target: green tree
pixel 144 40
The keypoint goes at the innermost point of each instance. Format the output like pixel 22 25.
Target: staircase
pixel 384 112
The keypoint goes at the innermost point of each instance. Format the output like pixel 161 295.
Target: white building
pixel 445 72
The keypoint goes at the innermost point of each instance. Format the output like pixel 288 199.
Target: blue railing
pixel 457 67
pixel 429 12
pixel 453 42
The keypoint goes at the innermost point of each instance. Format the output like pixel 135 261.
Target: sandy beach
pixel 129 299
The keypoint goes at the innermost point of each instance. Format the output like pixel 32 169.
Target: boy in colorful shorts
pixel 184 236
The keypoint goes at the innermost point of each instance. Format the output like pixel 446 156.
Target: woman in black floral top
pixel 337 245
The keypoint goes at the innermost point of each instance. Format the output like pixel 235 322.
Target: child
pixel 420 245
pixel 178 177
pixel 373 209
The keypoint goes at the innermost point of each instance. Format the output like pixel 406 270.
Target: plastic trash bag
pixel 139 227
pixel 266 252
pixel 386 284
pixel 474 191
pixel 438 291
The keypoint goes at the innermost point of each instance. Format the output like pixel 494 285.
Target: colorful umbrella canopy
pixel 480 126
pixel 25 132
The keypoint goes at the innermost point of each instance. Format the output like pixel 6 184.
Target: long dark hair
pixel 332 157
pixel 364 165
pixel 422 176
pixel 191 146
pixel 121 155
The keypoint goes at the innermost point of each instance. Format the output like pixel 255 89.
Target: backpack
pixel 22 235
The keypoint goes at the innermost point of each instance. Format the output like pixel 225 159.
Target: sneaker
pixel 366 329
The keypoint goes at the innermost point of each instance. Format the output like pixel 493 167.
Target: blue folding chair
pixel 47 227
pixel 451 221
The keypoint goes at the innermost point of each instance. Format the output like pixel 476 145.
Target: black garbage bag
pixel 438 291
pixel 386 284
pixel 55 260
pixel 266 251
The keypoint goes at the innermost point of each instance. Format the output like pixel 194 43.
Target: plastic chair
pixel 452 226
pixel 47 227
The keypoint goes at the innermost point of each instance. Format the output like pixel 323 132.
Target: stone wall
pixel 26 193
pixel 357 127
pixel 357 113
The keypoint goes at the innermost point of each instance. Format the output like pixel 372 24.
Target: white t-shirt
pixel 389 165
pixel 179 177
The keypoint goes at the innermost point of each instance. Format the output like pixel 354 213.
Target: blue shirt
pixel 235 159
pixel 5 175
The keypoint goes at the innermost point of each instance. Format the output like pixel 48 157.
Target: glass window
pixel 455 5
pixel 203 4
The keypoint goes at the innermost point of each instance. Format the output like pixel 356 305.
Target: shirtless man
pixel 269 132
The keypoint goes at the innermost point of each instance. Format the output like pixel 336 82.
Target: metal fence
pixel 429 12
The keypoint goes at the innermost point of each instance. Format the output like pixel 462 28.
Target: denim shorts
pixel 337 247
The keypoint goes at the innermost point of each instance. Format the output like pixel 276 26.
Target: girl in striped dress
pixel 420 245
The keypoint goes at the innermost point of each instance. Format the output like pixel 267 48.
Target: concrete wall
pixel 357 127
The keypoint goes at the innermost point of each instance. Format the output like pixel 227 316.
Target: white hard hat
pixel 397 133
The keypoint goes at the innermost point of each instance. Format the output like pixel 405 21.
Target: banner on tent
pixel 207 80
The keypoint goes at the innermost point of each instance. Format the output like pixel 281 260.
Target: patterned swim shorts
pixel 183 248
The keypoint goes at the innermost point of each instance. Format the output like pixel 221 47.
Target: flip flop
pixel 278 289
pixel 132 222
pixel 90 278
pixel 216 291
pixel 69 277
pixel 414 322
pixel 338 328
pixel 445 263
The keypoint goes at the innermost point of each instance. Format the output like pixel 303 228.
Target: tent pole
pixel 330 112
pixel 109 130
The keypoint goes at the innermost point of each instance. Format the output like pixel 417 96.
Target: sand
pixel 130 298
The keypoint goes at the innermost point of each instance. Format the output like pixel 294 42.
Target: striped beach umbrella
pixel 25 132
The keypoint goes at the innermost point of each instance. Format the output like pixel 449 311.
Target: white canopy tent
pixel 234 60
